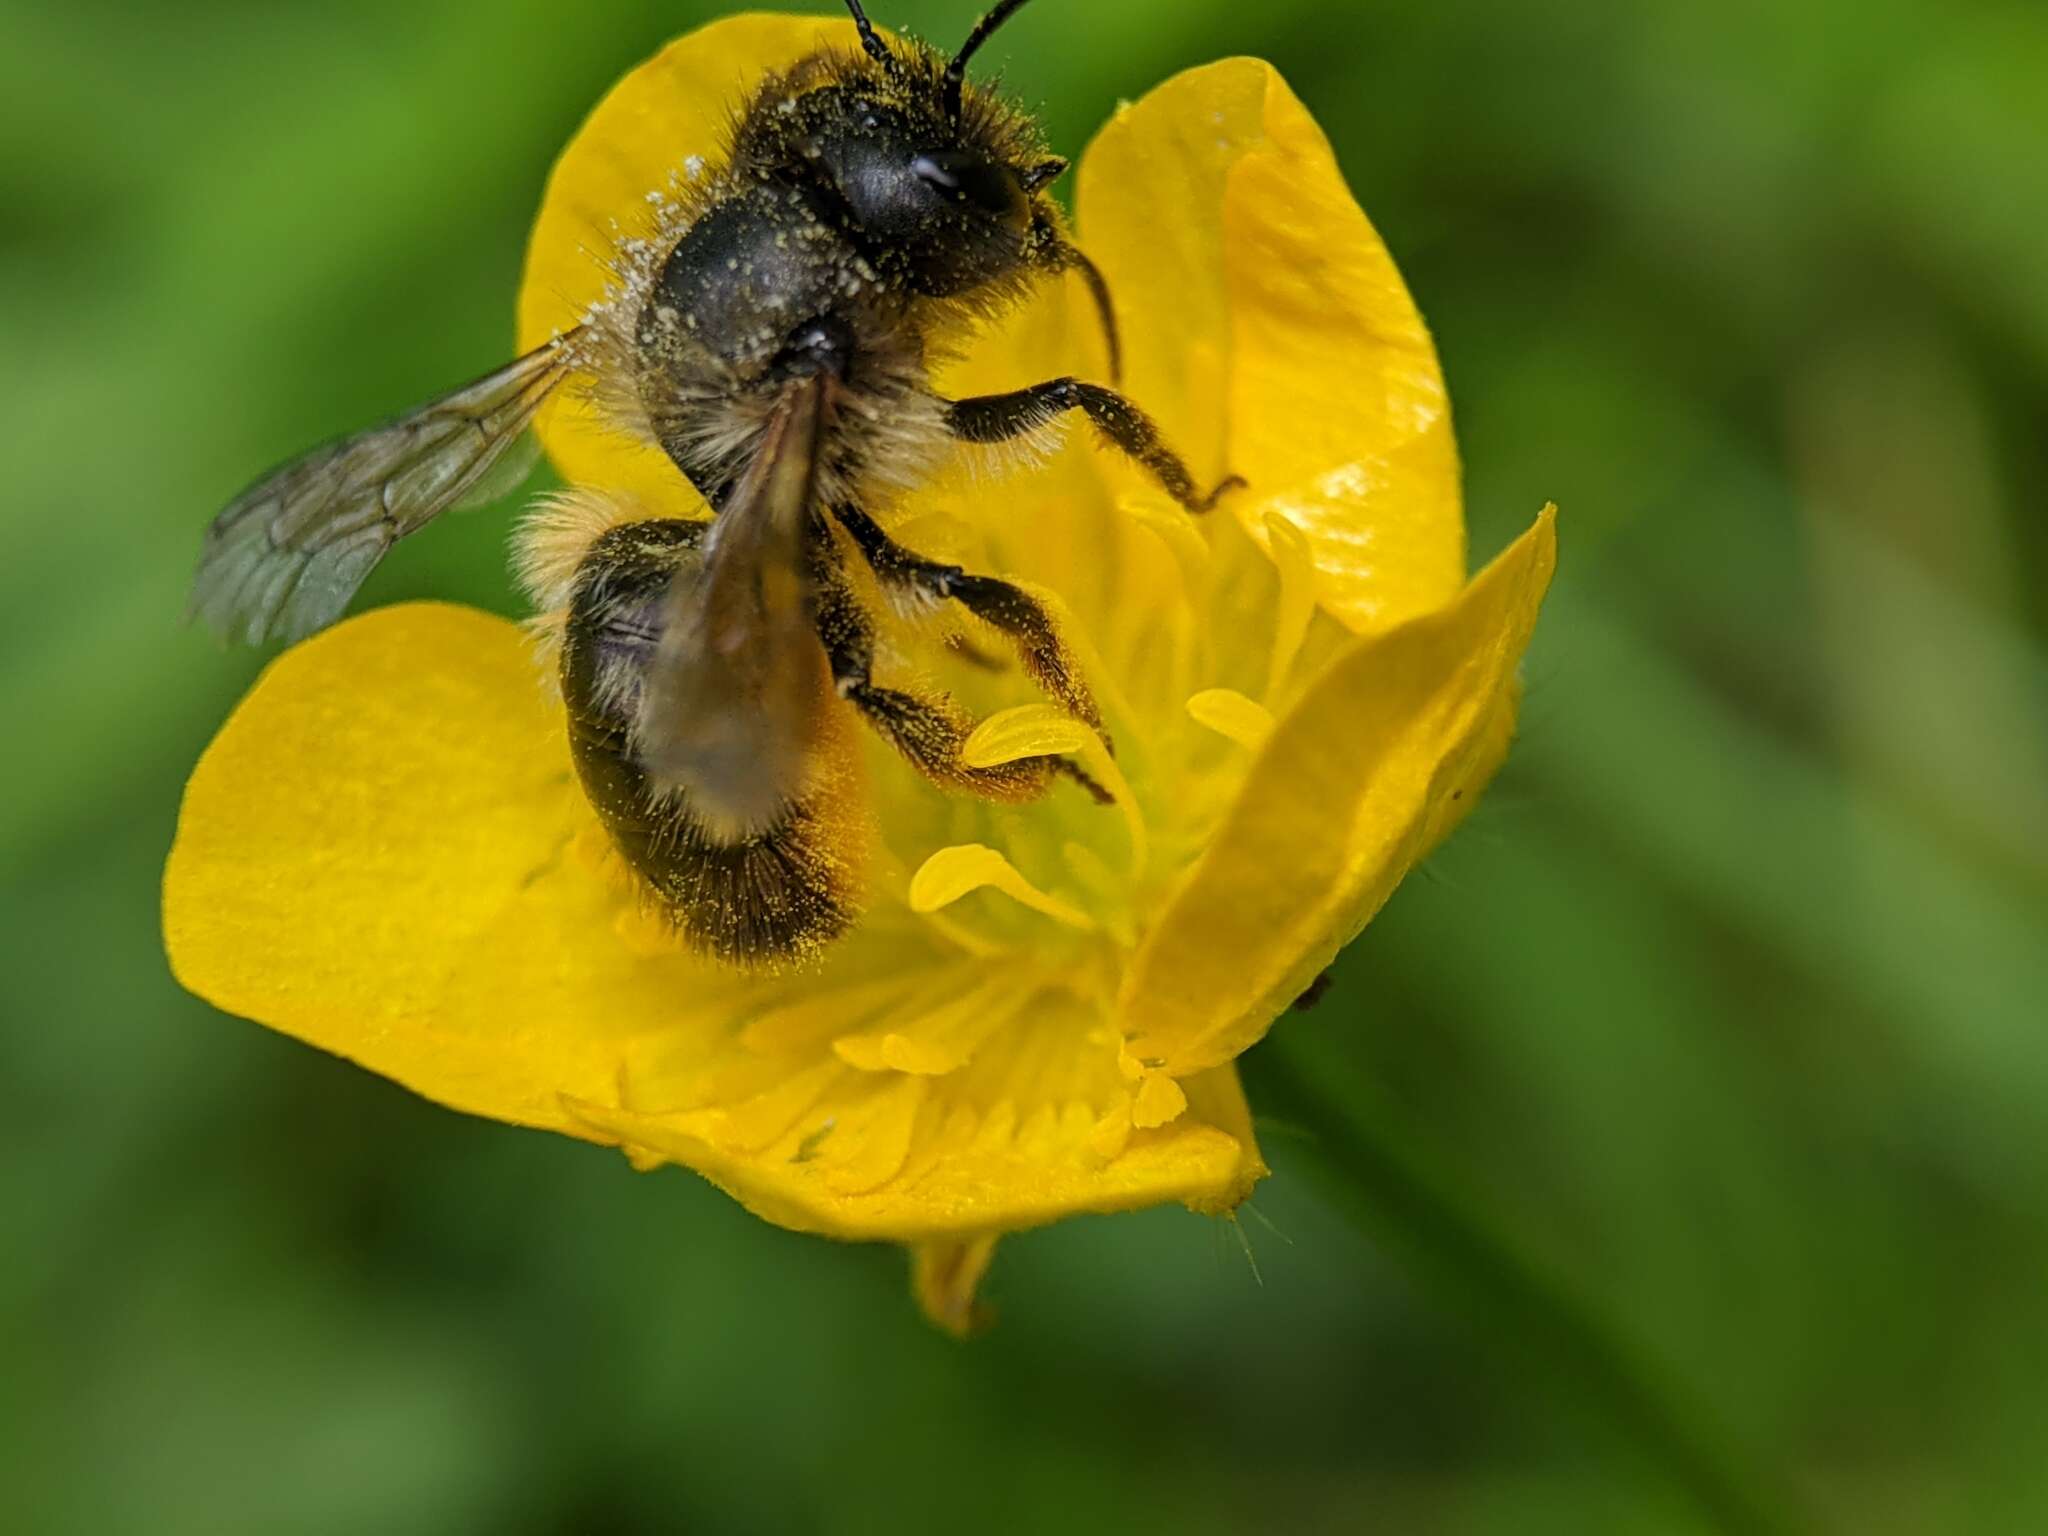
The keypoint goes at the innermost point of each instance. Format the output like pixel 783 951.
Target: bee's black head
pixel 943 188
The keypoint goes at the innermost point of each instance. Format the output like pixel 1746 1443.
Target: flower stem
pixel 1394 1187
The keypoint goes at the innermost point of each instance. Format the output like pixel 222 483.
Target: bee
pixel 871 206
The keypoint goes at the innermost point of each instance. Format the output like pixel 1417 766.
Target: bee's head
pixel 943 187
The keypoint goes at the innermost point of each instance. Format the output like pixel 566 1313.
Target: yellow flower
pixel 386 852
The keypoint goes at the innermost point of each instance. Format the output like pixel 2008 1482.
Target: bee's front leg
pixel 1119 422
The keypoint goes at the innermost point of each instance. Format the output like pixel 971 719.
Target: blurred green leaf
pixel 1729 997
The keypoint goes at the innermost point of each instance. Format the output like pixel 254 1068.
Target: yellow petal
pixel 1216 1097
pixel 1489 751
pixel 1344 799
pixel 374 856
pixel 377 856
pixel 1034 730
pixel 1270 333
pixel 670 111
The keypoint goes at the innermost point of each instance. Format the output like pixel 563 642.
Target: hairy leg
pixel 999 604
pixel 928 731
pixel 1120 423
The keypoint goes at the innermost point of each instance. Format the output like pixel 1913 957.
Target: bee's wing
pixel 729 708
pixel 289 552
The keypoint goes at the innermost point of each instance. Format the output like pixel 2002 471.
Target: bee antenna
pixel 874 47
pixel 956 72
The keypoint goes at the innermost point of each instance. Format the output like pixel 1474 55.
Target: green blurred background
pixel 1729 1003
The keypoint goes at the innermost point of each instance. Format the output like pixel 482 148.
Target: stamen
pixel 1176 530
pixel 952 873
pixel 1040 730
pixel 870 1140
pixel 1229 713
pixel 892 881
pixel 1112 1133
pixel 939 1039
pixel 961 937
pixel 1107 892
pixel 1161 646
pixel 1160 1101
pixel 799 1022
pixel 1028 730
pixel 1295 563
pixel 757 1123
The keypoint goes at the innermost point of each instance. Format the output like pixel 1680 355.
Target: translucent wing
pixel 729 709
pixel 287 555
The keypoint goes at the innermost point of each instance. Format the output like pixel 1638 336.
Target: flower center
pixel 1192 647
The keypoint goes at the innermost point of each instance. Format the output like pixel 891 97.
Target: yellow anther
pixel 954 872
pixel 1229 713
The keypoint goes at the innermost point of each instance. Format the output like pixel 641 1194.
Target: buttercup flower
pixel 386 851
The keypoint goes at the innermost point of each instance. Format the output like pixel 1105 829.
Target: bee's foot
pixel 1221 489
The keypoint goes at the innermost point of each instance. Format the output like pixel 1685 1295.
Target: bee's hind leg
pixel 929 731
pixel 1117 420
pixel 1004 607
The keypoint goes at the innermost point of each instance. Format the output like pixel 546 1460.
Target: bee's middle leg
pixel 999 604
pixel 1118 420
pixel 930 732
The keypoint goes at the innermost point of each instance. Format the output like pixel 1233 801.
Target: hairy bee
pixel 775 345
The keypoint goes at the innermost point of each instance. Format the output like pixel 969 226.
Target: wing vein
pixel 287 554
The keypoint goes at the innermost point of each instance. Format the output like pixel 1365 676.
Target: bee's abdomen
pixel 771 895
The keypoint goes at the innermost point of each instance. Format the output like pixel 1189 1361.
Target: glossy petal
pixel 1384 745
pixel 383 853
pixel 1271 335
pixel 377 855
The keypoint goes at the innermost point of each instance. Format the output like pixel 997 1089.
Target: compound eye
pixel 980 183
